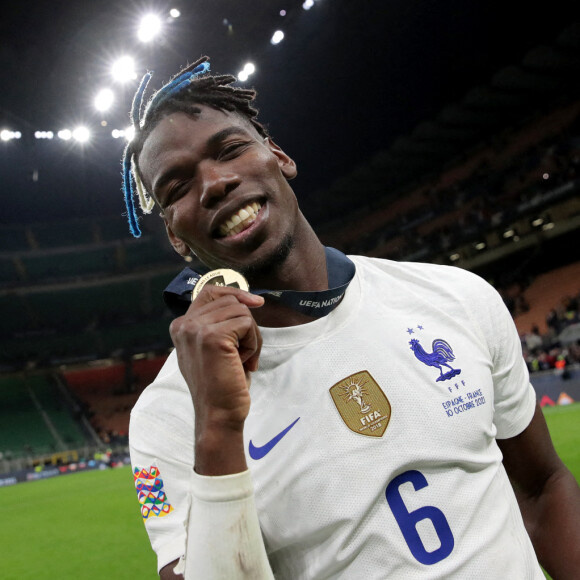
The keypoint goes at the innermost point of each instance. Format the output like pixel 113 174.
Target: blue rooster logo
pixel 441 356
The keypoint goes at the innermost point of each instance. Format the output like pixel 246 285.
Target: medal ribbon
pixel 317 304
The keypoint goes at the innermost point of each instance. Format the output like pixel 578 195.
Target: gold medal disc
pixel 223 277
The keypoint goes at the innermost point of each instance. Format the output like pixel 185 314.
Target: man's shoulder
pixel 164 392
pixel 437 273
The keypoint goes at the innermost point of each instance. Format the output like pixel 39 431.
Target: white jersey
pixel 371 437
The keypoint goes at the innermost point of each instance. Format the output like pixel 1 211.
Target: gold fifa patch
pixel 362 404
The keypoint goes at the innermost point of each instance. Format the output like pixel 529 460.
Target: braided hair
pixel 192 85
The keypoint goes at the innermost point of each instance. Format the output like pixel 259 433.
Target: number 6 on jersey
pixel 408 520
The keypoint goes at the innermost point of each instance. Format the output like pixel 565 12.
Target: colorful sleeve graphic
pixel 150 493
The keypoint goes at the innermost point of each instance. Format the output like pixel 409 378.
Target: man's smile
pixel 240 220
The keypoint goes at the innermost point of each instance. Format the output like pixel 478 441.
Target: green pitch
pixel 84 526
pixel 564 424
pixel 87 526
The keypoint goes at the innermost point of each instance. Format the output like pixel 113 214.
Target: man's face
pixel 222 188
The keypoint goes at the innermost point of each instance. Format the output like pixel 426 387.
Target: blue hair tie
pixel 128 194
pixel 177 85
pixel 172 88
pixel 138 99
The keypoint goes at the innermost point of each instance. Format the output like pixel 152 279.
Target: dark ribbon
pixel 317 304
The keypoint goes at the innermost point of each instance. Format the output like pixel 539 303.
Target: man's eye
pixel 230 150
pixel 174 193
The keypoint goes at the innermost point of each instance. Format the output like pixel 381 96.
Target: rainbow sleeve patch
pixel 150 493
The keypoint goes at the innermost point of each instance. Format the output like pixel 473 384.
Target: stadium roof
pixel 378 92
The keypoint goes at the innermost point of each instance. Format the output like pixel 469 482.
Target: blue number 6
pixel 408 520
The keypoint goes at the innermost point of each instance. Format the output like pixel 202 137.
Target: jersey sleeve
pixel 209 524
pixel 162 474
pixel 514 396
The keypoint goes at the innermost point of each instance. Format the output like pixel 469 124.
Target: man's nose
pixel 217 183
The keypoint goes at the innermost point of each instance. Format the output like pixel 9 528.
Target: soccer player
pixel 348 417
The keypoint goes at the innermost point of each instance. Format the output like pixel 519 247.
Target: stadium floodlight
pixel 123 69
pixel 129 133
pixel 149 27
pixel 277 37
pixel 104 100
pixel 249 68
pixel 65 134
pixel 43 134
pixel 81 134
pixel 174 13
pixel 308 4
pixel 454 257
pixel 7 135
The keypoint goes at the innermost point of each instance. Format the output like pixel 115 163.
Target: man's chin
pixel 268 265
pixel 264 266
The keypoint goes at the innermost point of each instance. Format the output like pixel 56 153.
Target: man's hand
pixel 218 345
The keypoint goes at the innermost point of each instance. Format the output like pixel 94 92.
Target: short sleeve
pixel 514 396
pixel 161 447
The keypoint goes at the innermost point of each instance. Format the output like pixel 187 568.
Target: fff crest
pixel 362 404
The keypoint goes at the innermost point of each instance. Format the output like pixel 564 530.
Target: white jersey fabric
pixel 428 356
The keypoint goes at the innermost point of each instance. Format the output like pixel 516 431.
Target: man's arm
pixel 218 345
pixel 548 496
pixel 166 573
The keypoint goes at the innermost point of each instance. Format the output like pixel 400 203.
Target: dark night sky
pixel 348 80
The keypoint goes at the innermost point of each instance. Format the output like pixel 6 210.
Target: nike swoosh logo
pixel 259 452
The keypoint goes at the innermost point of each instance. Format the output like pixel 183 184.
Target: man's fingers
pixel 229 326
pixel 211 293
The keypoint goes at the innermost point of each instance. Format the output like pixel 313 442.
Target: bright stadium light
pixel 65 134
pixel 43 134
pixel 308 4
pixel 127 133
pixel 104 100
pixel 277 37
pixel 249 68
pixel 81 134
pixel 149 27
pixel 7 135
pixel 123 69
pixel 174 13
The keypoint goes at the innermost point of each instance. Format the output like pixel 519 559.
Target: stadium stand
pixel 108 391
pixel 84 329
pixel 34 418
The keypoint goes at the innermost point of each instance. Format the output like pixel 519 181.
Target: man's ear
pixel 286 163
pixel 178 244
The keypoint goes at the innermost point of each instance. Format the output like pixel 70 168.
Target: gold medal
pixel 223 277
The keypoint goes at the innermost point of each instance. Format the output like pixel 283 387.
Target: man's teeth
pixel 240 220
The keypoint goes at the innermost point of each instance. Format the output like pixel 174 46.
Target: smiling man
pixel 382 399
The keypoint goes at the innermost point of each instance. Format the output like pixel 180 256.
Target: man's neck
pixel 304 270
